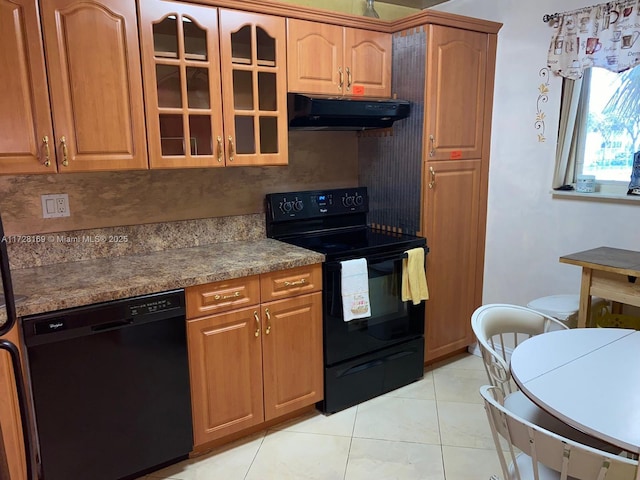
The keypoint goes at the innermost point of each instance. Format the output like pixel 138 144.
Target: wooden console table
pixel 610 273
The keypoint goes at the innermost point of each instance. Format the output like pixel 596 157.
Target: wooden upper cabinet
pixel 455 93
pixel 95 85
pixel 254 89
pixel 25 118
pixel 367 63
pixel 315 62
pixel 333 60
pixel 181 67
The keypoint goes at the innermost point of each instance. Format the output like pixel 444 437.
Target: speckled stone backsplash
pixel 51 248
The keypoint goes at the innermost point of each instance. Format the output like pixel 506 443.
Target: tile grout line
pixel 353 430
pixel 256 454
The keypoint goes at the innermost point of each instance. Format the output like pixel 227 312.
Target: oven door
pixel 392 321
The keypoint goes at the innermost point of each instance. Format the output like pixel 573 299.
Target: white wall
pixel 527 229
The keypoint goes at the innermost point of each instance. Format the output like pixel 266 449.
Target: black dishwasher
pixel 110 387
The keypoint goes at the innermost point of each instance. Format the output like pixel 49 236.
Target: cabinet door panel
pixel 96 87
pixel 368 60
pixel 450 222
pixel 455 93
pixel 11 430
pixel 315 59
pixel 292 363
pixel 24 107
pixel 254 91
pixel 225 362
pixel 181 61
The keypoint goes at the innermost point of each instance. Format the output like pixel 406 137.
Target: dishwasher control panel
pixel 155 305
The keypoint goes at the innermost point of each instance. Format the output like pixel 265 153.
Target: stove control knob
pixel 347 201
pixel 298 205
pixel 286 207
pixel 359 200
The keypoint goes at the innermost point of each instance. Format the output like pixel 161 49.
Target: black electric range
pixel 368 356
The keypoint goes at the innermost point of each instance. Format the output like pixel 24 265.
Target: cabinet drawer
pixel 288 283
pixel 222 296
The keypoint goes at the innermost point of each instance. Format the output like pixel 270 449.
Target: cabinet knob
pixel 220 152
pixel 231 149
pixel 348 79
pixel 47 153
pixel 255 315
pixel 302 281
pixel 432 143
pixel 432 182
pixel 341 78
pixel 268 315
pixel 65 152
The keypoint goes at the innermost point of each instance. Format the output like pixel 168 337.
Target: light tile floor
pixel 433 429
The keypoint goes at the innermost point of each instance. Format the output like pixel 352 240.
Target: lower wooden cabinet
pixel 253 364
pixel 452 224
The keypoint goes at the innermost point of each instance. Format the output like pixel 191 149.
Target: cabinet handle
pixel 348 79
pixel 432 142
pixel 268 314
pixel 227 297
pixel 65 152
pixel 341 78
pixel 302 281
pixel 432 183
pixel 255 315
pixel 231 150
pixel 47 153
pixel 219 149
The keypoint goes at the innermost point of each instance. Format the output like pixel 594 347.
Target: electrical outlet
pixel 55 206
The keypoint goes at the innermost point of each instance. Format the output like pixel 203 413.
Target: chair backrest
pixel 499 328
pixel 546 455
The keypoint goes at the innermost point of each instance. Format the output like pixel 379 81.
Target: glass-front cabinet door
pixel 254 91
pixel 181 65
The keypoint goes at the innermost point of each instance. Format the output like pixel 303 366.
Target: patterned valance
pixel 603 35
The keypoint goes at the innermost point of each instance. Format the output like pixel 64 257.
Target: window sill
pixel 604 193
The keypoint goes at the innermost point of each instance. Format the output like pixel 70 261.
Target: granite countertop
pixel 73 284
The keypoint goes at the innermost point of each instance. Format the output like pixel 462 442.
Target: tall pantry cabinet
pixel 458 101
pixel 430 176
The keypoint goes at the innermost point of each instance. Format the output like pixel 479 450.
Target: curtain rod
pixel 550 16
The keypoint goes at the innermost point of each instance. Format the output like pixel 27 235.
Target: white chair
pixel 499 328
pixel 533 453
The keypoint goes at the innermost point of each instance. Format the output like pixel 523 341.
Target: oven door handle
pixel 373 259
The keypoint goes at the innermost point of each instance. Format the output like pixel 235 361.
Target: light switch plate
pixel 55 206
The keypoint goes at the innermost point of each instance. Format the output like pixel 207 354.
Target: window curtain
pixel 604 35
pixel 572 128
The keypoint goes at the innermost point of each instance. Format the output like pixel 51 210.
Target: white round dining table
pixel 587 377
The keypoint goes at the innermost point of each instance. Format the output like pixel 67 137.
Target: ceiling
pixel 419 4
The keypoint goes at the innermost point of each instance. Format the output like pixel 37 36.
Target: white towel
pixel 355 289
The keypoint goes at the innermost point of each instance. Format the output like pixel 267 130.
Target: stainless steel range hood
pixel 316 112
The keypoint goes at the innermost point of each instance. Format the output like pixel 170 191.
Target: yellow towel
pixel 414 278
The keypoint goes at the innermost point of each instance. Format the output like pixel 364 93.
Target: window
pixel 612 128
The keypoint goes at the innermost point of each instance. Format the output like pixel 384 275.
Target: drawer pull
pixel 255 315
pixel 268 314
pixel 302 281
pixel 227 297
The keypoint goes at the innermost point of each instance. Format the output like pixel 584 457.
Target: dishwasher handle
pixel 111 325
